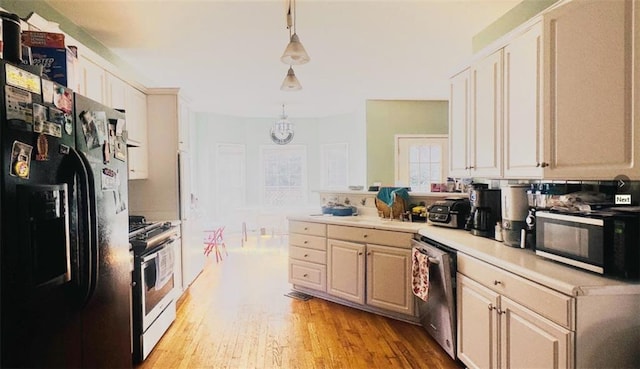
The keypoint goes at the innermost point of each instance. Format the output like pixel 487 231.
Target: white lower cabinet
pixel 369 274
pixel 349 265
pixel 388 279
pixel 345 270
pixel 375 275
pixel 529 340
pixel 307 255
pixel 494 331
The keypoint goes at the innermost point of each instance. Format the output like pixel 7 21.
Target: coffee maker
pixel 485 210
pixel 515 208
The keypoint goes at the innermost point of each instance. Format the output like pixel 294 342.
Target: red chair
pixel 213 240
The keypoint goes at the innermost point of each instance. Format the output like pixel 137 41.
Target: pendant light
pixel 294 54
pixel 282 130
pixel 291 82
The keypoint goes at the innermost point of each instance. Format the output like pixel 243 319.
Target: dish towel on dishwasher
pixel 164 267
pixel 420 267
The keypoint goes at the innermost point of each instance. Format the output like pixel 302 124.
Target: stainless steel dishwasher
pixel 438 313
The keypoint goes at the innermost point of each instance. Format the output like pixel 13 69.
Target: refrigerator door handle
pixel 90 226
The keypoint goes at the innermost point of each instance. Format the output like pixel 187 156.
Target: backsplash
pixel 364 201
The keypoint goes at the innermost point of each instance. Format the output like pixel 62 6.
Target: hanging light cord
pixel 289 27
pixel 295 16
pixel 289 21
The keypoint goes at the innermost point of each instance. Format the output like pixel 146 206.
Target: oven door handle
pixel 154 253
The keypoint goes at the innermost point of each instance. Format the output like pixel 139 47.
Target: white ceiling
pixel 225 55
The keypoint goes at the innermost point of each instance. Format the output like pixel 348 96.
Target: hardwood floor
pixel 235 315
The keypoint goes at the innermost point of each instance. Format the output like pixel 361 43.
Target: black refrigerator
pixel 65 259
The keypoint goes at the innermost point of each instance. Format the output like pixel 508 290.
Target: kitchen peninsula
pixel 511 304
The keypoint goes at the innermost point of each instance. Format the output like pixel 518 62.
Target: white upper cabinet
pixel 588 90
pixel 522 105
pixel 459 125
pixel 93 80
pixel 136 114
pixel 475 119
pixel 486 117
pixel 184 126
pixel 563 106
pixel 116 92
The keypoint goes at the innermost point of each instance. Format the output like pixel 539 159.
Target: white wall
pixel 213 129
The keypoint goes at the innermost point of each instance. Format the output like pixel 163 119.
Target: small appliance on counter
pixel 450 212
pixel 514 214
pixel 485 210
pixel 602 241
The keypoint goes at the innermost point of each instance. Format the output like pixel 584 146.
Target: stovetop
pixel 146 235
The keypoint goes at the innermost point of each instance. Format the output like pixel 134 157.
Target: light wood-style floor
pixel 235 315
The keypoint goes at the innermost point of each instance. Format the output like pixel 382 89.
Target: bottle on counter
pixel 498 232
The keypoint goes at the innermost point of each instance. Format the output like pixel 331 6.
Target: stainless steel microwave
pixel 605 242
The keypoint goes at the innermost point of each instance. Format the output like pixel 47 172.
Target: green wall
pixel 521 13
pixel 387 118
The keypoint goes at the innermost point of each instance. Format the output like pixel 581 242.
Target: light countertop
pixel 523 262
pixel 362 221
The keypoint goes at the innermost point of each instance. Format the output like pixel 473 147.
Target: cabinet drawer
pixel 308 275
pixel 315 229
pixel 368 235
pixel 553 305
pixel 312 242
pixel 305 254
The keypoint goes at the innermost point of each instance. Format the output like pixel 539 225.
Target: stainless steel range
pixel 154 306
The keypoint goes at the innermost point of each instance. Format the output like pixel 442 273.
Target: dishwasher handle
pixel 432 260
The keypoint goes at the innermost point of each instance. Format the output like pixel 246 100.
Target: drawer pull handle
pixel 496 282
pixel 306 242
pixel 365 236
pixel 360 253
pixel 306 229
pixel 500 312
pixel 305 275
pixel 491 307
pixel 306 255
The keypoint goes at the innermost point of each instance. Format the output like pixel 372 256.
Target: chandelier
pixel 282 130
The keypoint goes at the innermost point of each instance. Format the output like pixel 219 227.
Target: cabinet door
pixel 589 97
pixel 184 126
pixel 345 270
pixel 531 341
pixel 486 115
pixel 459 125
pixel 136 113
pixel 477 324
pixel 136 110
pixel 94 79
pixel 389 279
pixel 522 105
pixel 116 92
